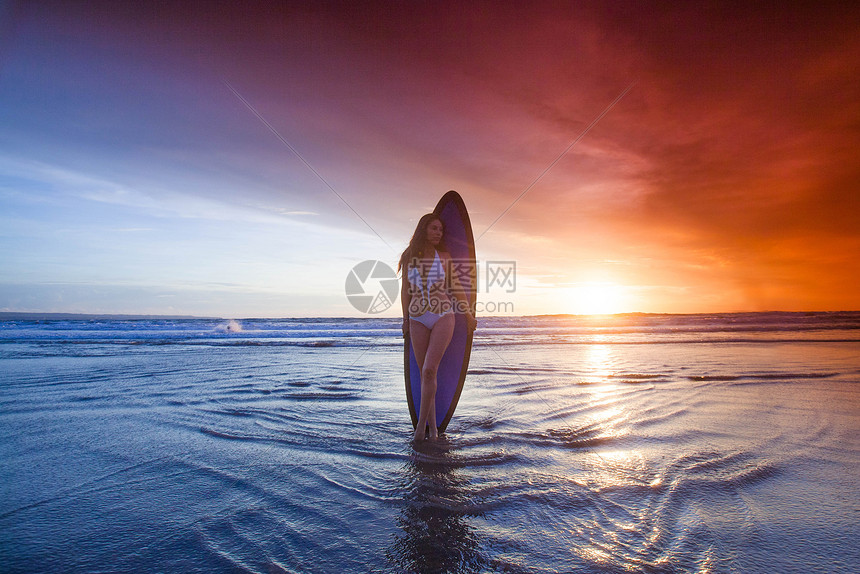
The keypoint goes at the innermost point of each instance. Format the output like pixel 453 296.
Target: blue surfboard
pixel 460 242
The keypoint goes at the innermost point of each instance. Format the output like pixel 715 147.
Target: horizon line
pixel 58 315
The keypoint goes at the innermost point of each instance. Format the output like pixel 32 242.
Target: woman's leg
pixel 419 334
pixel 431 417
pixel 436 343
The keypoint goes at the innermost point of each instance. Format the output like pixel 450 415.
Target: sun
pixel 596 298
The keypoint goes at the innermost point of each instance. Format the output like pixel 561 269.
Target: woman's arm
pixel 405 298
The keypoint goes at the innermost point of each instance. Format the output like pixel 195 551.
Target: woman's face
pixel 434 232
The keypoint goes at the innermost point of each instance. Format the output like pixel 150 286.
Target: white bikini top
pixel 435 274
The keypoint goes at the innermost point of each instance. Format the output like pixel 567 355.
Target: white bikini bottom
pixel 429 319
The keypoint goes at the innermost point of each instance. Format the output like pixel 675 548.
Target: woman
pixel 428 309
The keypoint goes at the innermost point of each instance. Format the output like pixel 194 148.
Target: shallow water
pixel 630 444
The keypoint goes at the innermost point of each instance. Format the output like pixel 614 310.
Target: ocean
pixel 629 443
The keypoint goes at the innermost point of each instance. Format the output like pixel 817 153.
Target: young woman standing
pixel 428 295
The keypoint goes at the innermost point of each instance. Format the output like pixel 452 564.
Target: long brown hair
pixel 415 250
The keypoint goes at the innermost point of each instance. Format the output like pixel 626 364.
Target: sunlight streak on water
pixel 599 362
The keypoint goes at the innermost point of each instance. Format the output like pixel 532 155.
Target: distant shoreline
pixel 18 316
pixel 36 316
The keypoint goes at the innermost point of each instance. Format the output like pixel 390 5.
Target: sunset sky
pixel 134 179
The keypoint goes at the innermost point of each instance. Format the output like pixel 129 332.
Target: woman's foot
pixel 421 434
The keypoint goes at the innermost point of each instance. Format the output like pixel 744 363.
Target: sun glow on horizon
pixel 596 298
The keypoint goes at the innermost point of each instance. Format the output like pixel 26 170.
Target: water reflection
pixel 604 394
pixel 435 534
pixel 622 530
pixel 598 362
